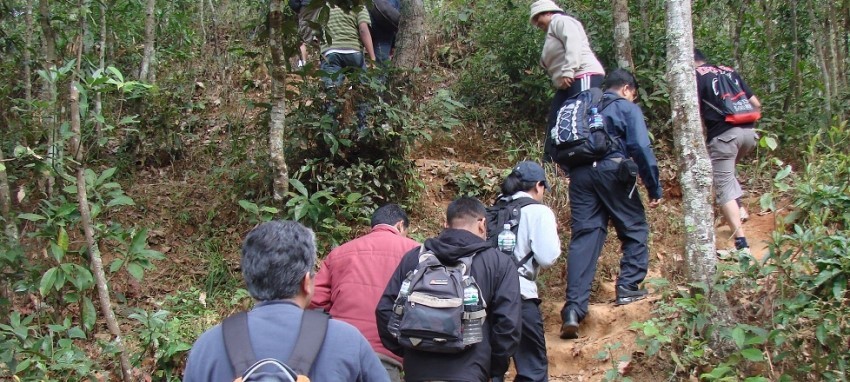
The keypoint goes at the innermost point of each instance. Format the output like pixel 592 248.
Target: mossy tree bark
pixel 695 172
pixel 277 118
pixel 411 35
pixel 622 34
pixel 150 37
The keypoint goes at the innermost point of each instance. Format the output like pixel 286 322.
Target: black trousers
pixel 530 359
pixel 597 195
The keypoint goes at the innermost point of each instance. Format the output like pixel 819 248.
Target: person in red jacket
pixel 353 277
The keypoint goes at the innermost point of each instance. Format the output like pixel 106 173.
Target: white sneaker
pixel 743 214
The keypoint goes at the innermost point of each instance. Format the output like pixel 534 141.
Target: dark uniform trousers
pixel 530 359
pixel 597 195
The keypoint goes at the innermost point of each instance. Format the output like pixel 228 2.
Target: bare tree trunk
pixel 27 53
pixel 736 37
pixel 150 36
pixel 695 170
pixel 214 19
pixel 822 61
pixel 96 262
pixel 835 63
pixel 622 38
pixel 277 118
pixel 201 17
pixel 98 98
pixel 49 94
pixel 411 35
pixel 6 203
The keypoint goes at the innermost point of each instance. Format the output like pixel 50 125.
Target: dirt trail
pixel 607 327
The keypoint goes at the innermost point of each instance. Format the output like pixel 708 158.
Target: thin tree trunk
pixel 6 203
pixel 27 53
pixel 98 98
pixel 411 35
pixel 736 37
pixel 95 260
pixel 49 94
pixel 835 63
pixel 214 19
pixel 150 36
pixel 201 17
pixel 622 40
pixel 695 170
pixel 821 57
pixel 277 118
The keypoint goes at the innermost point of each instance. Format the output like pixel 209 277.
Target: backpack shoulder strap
pixel 314 326
pixel 237 342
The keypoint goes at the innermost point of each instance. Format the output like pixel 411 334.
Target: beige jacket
pixel 566 51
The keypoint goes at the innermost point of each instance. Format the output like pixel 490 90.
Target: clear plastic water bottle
pixel 474 314
pixel 595 119
pixel 394 325
pixel 507 240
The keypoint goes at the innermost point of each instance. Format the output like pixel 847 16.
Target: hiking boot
pixel 627 295
pixel 569 329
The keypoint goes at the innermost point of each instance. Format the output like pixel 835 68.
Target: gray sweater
pixel 566 50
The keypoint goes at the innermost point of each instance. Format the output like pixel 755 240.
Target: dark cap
pixel 529 171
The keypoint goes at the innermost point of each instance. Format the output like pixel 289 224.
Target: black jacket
pixel 496 275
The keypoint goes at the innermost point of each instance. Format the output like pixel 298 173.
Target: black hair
pixel 464 209
pixel 275 257
pixel 618 78
pixel 513 184
pixel 390 214
pixel 698 56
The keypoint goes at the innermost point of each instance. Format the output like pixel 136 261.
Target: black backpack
pixel 576 143
pixel 431 312
pixel 507 211
pixel 314 325
pixel 729 99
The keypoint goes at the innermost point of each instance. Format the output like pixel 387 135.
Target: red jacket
pixel 354 275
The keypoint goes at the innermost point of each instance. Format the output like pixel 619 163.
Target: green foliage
pixel 792 306
pixel 161 340
pixel 33 351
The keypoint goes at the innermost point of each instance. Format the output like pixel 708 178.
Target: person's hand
pixel 654 203
pixel 565 82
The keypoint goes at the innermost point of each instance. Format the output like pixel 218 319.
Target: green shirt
pixel 343 30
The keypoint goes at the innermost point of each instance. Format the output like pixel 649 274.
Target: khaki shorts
pixel 725 150
pixel 307 34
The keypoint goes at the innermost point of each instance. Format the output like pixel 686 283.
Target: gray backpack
pixel 439 307
pixel 248 368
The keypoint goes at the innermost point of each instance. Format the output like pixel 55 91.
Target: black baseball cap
pixel 529 171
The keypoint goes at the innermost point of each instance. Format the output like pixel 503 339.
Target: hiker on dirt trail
pixel 306 15
pixel 727 142
pixel 537 237
pixel 353 276
pixel 461 242
pixel 607 190
pixel 278 259
pixel 346 35
pixel 385 18
pixel 567 57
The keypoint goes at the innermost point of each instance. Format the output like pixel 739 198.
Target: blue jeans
pixel 383 43
pixel 335 65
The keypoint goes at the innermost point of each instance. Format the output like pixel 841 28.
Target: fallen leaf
pixel 21 194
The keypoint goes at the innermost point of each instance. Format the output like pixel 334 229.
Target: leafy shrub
pixel 793 305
